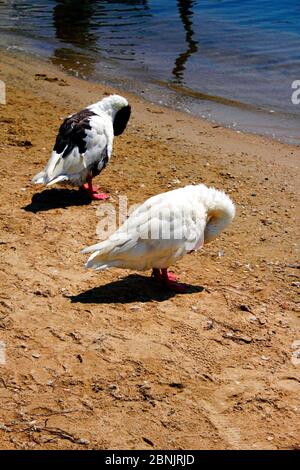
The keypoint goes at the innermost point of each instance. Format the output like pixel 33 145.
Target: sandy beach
pixel 110 360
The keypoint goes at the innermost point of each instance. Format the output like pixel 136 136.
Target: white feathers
pixel 84 142
pixel 164 228
pixel 109 105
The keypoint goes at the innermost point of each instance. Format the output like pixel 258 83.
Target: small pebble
pixel 135 307
pixel 84 441
pixel 209 325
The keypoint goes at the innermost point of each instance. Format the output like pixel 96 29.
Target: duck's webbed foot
pixel 93 191
pixel 168 279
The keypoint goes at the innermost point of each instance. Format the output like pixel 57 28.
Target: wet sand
pixel 110 360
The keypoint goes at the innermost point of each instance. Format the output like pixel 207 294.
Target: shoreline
pixel 177 98
pixel 231 134
pixel 108 360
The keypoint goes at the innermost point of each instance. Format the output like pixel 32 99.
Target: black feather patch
pixel 72 132
pixel 121 120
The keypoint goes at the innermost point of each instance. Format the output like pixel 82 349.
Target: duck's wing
pixel 99 137
pixel 156 234
pixel 72 133
pixel 83 144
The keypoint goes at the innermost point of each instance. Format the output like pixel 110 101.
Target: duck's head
pixel 118 108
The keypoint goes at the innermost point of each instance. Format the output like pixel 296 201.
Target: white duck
pixel 162 230
pixel 84 144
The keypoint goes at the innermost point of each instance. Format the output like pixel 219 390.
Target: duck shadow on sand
pixel 133 288
pixel 56 199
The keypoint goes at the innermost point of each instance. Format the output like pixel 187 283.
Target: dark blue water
pixel 176 52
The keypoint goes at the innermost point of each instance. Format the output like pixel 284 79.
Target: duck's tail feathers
pixel 93 248
pixel 104 255
pixel 96 263
pixel 39 178
pixel 98 250
pixel 42 178
pixel 52 173
pixel 59 179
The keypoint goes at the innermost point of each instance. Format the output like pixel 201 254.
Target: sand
pixel 110 360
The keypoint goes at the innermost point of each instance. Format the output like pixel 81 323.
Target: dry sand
pixel 110 360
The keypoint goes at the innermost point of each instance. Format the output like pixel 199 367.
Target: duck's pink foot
pixel 170 276
pixel 168 279
pixel 99 196
pixel 171 281
pixel 93 192
pixel 86 187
